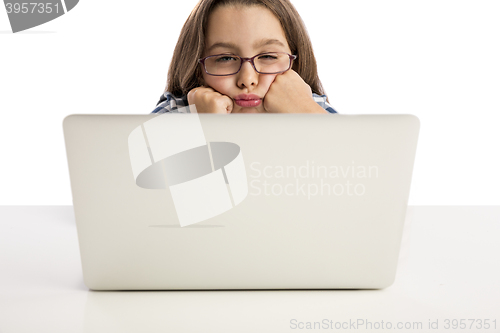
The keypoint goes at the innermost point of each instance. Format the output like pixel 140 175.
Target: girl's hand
pixel 208 100
pixel 290 94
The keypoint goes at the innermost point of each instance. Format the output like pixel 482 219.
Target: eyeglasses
pixel 264 63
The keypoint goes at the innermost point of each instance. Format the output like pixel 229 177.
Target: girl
pixel 244 56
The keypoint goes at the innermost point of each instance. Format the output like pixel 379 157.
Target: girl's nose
pixel 247 77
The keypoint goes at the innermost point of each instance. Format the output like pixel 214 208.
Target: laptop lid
pixel 243 201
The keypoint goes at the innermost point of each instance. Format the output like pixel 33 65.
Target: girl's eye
pixel 225 59
pixel 268 57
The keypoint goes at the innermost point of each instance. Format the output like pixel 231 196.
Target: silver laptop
pixel 241 201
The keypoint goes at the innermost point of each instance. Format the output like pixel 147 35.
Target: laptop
pixel 241 201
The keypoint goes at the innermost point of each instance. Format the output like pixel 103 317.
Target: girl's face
pixel 244 31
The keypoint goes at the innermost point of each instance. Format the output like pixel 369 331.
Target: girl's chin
pixel 249 110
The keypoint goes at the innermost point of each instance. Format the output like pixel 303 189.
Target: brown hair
pixel 185 73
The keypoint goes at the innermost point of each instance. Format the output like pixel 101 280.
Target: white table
pixel 449 269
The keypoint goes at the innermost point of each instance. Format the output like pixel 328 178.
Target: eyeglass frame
pixel 202 61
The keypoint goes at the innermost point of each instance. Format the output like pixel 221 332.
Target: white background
pixel 437 59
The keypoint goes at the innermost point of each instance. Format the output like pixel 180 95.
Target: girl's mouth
pixel 246 101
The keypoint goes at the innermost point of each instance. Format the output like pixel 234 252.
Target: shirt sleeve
pixel 321 100
pixel 169 103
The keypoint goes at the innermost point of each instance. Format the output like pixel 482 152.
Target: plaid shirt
pixel 170 103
